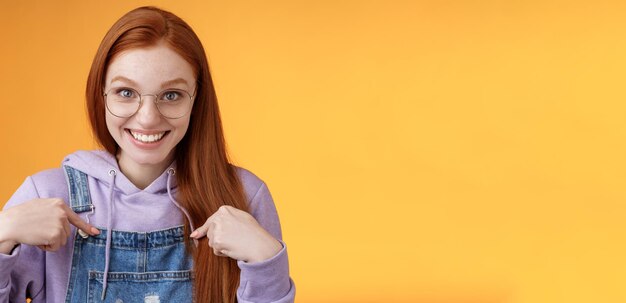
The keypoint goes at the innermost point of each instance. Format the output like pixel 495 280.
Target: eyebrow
pixel 163 85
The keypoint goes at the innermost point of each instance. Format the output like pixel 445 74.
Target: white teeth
pixel 148 138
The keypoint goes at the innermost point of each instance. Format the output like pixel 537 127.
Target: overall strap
pixel 80 200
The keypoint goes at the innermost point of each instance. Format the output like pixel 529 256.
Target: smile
pixel 151 138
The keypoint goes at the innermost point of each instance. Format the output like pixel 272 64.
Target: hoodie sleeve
pixel 266 281
pixel 22 272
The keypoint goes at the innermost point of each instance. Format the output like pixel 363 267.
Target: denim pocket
pixel 145 287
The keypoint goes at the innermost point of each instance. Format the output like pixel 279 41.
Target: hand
pixel 40 222
pixel 236 234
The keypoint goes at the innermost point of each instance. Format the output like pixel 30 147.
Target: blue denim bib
pixel 149 267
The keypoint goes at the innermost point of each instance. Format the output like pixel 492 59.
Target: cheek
pixel 182 123
pixel 183 128
pixel 113 124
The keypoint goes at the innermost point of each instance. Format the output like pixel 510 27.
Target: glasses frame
pixel 156 100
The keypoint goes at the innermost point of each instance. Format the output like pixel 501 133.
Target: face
pixel 147 138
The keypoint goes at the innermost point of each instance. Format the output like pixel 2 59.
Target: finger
pixel 52 246
pixel 232 210
pixel 77 221
pixel 211 235
pixel 225 209
pixel 55 246
pixel 199 232
pixel 62 238
pixel 45 246
pixel 202 230
pixel 218 253
pixel 66 229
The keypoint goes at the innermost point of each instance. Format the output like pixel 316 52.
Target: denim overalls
pixel 147 267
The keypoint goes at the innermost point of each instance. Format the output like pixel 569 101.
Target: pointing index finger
pixel 77 221
pixel 202 230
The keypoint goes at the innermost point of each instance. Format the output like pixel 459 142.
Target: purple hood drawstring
pixel 170 173
pixel 112 173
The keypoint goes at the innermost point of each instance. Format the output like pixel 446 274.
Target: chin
pixel 149 158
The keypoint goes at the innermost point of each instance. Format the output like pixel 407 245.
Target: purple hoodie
pixel 44 276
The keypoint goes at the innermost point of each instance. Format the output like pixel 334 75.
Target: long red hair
pixel 206 179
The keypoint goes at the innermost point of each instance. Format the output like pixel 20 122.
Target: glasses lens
pixel 174 103
pixel 122 102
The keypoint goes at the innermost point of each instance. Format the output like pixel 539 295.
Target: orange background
pixel 418 151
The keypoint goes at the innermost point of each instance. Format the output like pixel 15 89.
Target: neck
pixel 141 175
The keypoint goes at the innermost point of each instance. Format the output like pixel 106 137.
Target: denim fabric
pixel 80 200
pixel 144 267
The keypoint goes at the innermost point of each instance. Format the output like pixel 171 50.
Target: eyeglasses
pixel 124 102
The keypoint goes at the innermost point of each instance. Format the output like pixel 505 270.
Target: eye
pixel 171 95
pixel 125 93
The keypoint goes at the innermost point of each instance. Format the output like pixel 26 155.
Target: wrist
pixel 271 249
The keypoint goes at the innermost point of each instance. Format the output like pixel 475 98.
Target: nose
pixel 148 113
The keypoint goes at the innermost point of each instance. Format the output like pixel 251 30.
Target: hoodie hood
pixel 133 209
pixel 98 163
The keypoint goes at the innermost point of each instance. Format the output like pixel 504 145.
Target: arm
pixel 255 240
pixel 21 271
pixel 35 225
pixel 266 281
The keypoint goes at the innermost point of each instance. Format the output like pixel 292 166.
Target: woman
pixel 160 215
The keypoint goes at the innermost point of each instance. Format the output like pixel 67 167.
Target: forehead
pixel 149 67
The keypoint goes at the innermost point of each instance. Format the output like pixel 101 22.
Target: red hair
pixel 206 179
